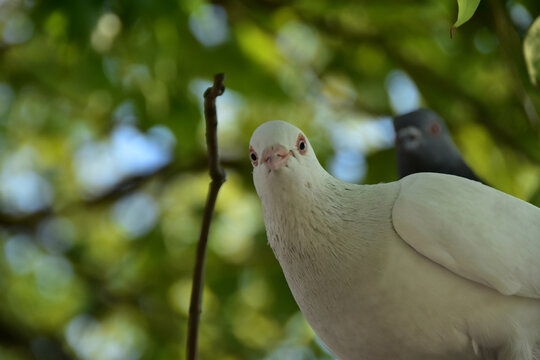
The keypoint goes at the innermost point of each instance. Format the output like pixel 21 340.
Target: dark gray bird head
pixel 423 144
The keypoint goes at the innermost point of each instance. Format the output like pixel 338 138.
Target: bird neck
pixel 326 232
pixel 302 216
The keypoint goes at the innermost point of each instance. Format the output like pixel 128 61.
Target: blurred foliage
pixel 103 167
pixel 531 50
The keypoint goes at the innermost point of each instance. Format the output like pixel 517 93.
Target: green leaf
pixel 466 9
pixel 531 51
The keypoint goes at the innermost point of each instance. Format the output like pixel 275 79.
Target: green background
pixel 103 163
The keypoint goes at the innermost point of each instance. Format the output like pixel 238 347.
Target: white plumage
pixel 430 267
pixel 474 230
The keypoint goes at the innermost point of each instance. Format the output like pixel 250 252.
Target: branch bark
pixel 218 178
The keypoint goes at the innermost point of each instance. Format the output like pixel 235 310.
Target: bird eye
pixel 435 128
pixel 301 144
pixel 253 156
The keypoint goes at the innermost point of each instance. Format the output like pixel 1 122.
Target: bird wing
pixel 473 230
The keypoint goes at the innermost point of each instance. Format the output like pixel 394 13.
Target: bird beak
pixel 275 157
pixel 409 136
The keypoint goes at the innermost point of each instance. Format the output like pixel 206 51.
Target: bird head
pixel 281 156
pixel 417 129
pixel 423 142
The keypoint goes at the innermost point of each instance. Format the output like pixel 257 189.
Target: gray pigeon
pixel 432 266
pixel 423 144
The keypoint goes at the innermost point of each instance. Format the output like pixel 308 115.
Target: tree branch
pixel 218 178
pixel 127 186
pixel 512 54
pixel 427 79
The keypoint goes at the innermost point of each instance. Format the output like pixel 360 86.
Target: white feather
pixel 472 229
pixel 366 292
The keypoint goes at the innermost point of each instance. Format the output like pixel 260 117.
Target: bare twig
pixel 218 178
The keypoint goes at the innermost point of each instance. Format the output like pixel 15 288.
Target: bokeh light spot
pixel 209 25
pixel 348 165
pixel 107 29
pixel 485 41
pixel 21 254
pixel 403 93
pixel 56 234
pixel 355 138
pixel 101 165
pixel 520 16
pixel 116 337
pixel 18 28
pixel 136 214
pixel 298 42
pixel 24 192
pixel 53 275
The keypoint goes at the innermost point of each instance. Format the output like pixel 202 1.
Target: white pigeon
pixel 432 266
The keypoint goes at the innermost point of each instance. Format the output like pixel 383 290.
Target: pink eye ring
pixel 301 144
pixel 253 156
pixel 435 128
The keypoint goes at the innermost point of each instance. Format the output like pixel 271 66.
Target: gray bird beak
pixel 409 137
